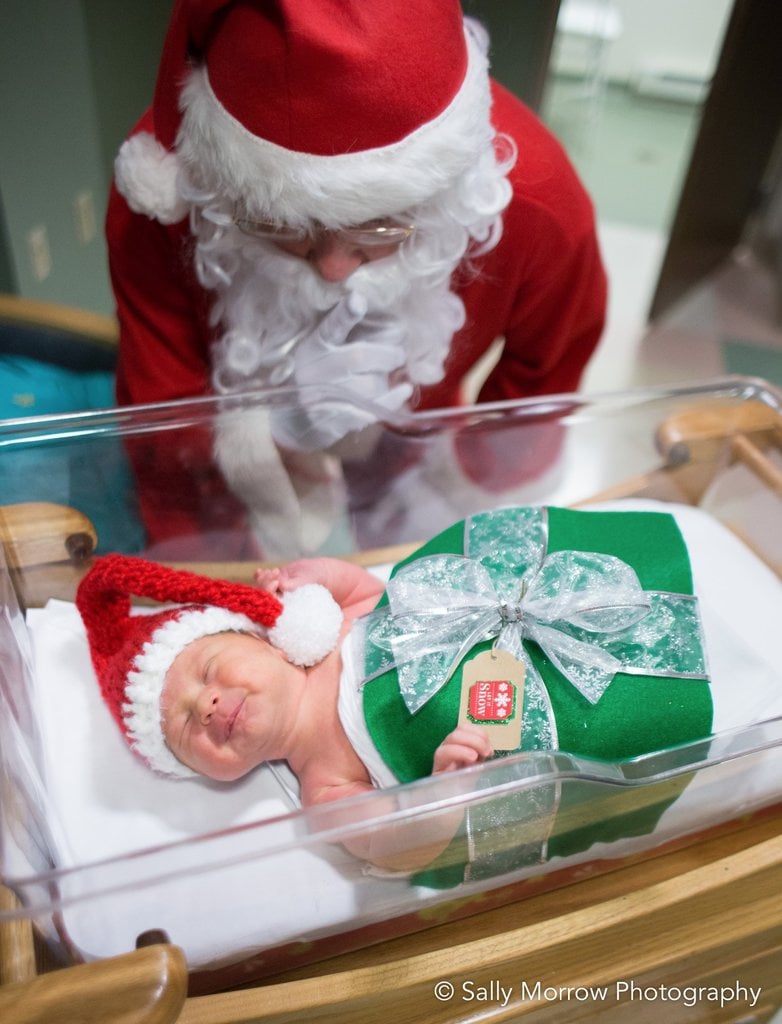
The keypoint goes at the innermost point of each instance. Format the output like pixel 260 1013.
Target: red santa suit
pixel 541 289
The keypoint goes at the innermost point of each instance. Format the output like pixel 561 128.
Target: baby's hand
pixel 467 744
pixel 269 579
pixel 294 574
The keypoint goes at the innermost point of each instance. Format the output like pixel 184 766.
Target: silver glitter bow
pixel 586 611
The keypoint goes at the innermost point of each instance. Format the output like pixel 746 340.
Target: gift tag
pixel 493 696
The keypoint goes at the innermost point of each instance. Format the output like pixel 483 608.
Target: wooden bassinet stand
pixel 707 915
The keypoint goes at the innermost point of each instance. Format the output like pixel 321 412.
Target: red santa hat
pixel 335 111
pixel 131 654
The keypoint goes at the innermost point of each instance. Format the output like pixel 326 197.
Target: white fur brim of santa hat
pixel 222 145
pixel 298 188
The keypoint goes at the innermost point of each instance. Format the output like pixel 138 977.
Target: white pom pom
pixel 146 175
pixel 308 625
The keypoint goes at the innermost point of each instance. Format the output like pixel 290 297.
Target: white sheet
pixel 105 803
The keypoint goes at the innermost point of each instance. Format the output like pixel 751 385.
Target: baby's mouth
pixel 232 718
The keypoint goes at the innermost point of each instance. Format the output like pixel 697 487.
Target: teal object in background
pixel 30 387
pixel 96 478
pixel 751 360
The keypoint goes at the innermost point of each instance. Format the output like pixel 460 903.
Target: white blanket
pixel 104 803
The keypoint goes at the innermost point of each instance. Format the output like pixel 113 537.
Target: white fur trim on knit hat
pixel 306 630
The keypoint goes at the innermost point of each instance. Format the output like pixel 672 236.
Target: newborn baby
pixel 232 701
pixel 238 675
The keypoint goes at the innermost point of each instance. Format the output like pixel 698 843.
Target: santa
pixel 333 199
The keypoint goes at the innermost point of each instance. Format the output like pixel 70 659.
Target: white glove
pixel 360 368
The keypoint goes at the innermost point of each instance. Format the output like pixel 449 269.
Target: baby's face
pixel 226 704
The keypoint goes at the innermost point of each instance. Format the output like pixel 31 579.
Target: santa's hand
pixel 467 744
pixel 339 321
pixel 359 361
pixel 338 351
pixel 325 423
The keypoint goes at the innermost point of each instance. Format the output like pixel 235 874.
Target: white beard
pixel 266 300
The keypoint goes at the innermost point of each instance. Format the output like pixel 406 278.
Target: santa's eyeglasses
pixel 375 233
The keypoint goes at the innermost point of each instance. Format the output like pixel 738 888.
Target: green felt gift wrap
pixel 540 819
pixel 636 714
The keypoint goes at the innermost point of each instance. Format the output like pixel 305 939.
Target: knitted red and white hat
pixel 131 654
pixel 335 111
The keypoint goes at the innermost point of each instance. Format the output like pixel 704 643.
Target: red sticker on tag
pixel 492 701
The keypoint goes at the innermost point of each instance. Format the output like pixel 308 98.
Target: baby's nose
pixel 208 705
